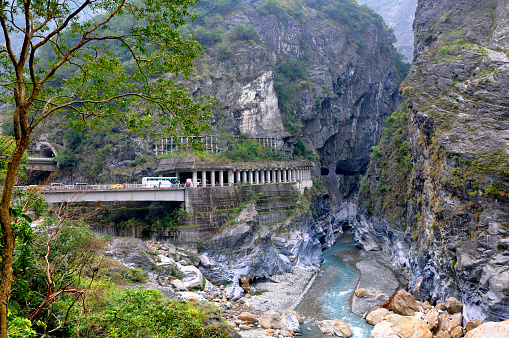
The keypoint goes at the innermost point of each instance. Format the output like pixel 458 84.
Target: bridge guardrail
pixel 91 187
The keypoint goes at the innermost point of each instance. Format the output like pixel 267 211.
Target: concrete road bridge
pixel 108 193
pixel 213 175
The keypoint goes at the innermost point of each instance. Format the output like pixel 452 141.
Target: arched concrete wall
pixel 40 145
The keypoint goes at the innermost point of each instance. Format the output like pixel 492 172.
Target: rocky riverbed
pixel 270 307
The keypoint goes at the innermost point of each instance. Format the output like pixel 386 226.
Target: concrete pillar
pixel 250 177
pixel 195 178
pixel 262 176
pixel 203 178
pixel 279 175
pixel 284 175
pixel 273 176
pixel 238 177
pixel 230 178
pixel 213 178
pixel 221 179
pixel 292 174
pixel 257 177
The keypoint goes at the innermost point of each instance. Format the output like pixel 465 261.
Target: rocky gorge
pixel 440 206
pixel 430 193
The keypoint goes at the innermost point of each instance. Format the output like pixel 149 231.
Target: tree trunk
pixel 8 235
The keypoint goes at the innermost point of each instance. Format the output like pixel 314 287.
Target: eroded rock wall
pixel 446 219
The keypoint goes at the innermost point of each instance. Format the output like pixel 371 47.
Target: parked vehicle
pixel 117 186
pixel 160 182
pixel 80 185
pixel 57 186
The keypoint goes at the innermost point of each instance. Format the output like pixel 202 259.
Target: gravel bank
pixel 281 293
pixel 378 280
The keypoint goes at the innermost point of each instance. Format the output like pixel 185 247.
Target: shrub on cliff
pixel 389 168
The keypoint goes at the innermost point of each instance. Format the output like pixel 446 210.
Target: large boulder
pixel 432 319
pixel 457 332
pixel 212 290
pixel 177 284
pixel 335 327
pixel 192 296
pixel 132 252
pixel 490 330
pixel 270 320
pixel 248 317
pixel 234 292
pixel 404 304
pixel 473 324
pixel 453 305
pixel 401 327
pixel 374 317
pixel 291 322
pixel 447 322
pixel 191 276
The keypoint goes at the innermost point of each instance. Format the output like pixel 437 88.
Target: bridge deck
pixel 114 195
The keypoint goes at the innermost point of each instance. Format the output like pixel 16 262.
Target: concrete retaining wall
pixel 209 208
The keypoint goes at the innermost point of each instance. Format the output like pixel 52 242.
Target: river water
pixel 331 293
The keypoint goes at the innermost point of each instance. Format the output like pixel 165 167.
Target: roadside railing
pixel 93 187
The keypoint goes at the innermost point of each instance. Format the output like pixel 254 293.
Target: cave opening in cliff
pixel 324 171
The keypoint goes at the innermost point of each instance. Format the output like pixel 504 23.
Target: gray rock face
pixel 133 252
pixel 399 15
pixel 351 89
pixel 452 233
pixel 249 249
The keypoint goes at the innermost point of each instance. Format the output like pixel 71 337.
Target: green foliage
pixel 20 328
pixel 283 9
pixel 72 255
pixel 223 51
pixel 291 77
pixel 474 171
pixel 251 150
pixel 100 160
pixel 171 218
pixel 7 145
pixel 320 186
pixel 244 33
pixel 272 7
pixel 145 313
pixel 292 125
pixel 208 37
pixel 303 151
pixel 116 80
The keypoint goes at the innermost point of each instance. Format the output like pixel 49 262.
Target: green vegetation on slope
pixel 291 76
pixel 390 167
pixel 92 305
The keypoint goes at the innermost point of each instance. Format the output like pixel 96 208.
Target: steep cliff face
pixel 303 72
pixel 437 191
pixel 399 15
pixel 323 74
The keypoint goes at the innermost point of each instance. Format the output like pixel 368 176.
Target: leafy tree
pixel 98 91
